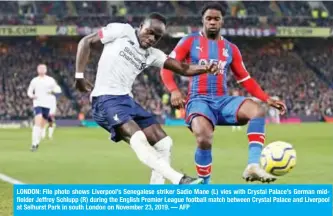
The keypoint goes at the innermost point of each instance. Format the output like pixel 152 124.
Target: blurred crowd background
pixel 297 70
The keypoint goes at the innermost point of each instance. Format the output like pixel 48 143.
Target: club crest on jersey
pixel 225 53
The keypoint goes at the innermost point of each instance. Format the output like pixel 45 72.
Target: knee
pixel 38 120
pixel 251 110
pixel 205 140
pixel 164 145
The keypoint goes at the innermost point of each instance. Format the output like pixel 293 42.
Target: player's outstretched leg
pixel 162 143
pixel 131 132
pixel 203 131
pixel 163 147
pixel 255 115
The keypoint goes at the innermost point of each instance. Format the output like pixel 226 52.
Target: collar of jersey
pixel 201 34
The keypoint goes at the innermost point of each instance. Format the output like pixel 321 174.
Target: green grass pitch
pixel 81 155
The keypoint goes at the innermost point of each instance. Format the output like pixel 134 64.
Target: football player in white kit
pixel 51 119
pixel 41 89
pixel 127 52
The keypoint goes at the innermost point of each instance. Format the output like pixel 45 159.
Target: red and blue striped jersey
pixel 197 49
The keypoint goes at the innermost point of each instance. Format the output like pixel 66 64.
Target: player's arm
pixel 31 89
pixel 83 51
pixel 105 35
pixel 175 62
pixel 243 77
pixel 82 57
pixel 185 69
pixel 179 53
pixel 56 88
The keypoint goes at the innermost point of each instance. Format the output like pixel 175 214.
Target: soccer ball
pixel 278 158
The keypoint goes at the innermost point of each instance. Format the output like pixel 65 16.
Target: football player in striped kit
pixel 208 103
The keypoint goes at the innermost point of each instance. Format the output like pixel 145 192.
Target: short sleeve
pixel 182 49
pixel 237 65
pixel 159 58
pixel 113 31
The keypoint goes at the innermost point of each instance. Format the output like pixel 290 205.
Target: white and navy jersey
pixel 53 107
pixel 122 60
pixel 42 88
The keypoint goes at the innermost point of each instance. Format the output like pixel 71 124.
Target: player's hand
pixel 277 105
pixel 83 85
pixel 177 99
pixel 212 69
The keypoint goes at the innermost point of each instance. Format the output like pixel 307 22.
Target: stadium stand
pixel 297 70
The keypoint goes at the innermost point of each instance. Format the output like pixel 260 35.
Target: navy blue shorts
pixel 42 110
pixel 110 111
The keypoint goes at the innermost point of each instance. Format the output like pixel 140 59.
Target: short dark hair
pixel 214 6
pixel 157 16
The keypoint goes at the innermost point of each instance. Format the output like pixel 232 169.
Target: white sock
pixel 44 133
pixel 51 130
pixel 149 156
pixel 163 147
pixel 36 135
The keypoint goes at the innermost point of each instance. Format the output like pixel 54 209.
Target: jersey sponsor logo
pixel 221 64
pixel 133 59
